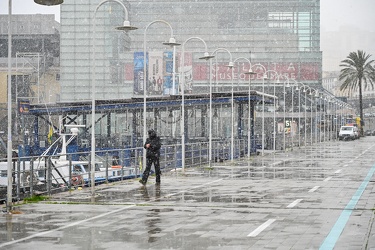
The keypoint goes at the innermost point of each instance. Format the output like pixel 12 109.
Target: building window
pixel 282 20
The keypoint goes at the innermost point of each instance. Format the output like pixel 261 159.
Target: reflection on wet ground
pixel 203 208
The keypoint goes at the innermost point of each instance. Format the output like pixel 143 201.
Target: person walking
pixel 152 146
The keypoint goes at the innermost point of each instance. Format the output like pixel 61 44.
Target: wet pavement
pixel 309 198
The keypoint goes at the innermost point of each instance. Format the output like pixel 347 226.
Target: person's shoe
pixel 157 183
pixel 142 182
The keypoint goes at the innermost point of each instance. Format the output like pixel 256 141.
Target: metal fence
pixel 50 174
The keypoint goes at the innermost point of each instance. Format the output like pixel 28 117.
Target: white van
pixel 348 132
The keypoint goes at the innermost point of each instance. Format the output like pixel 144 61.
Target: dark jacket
pixel 154 150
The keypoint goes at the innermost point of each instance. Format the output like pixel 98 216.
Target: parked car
pixel 369 132
pixel 348 133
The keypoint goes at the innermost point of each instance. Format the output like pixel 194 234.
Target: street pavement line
pixel 339 226
pixel 66 226
pixel 294 203
pixel 183 191
pixel 314 189
pixel 96 217
pixel 327 179
pixel 261 228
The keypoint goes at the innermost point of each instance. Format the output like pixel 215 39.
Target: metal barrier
pixel 51 174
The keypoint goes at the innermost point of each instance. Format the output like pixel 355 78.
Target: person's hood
pixel 152 133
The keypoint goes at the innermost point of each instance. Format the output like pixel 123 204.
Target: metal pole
pixel 299 118
pixel 263 117
pixel 92 176
pixel 320 118
pixel 249 119
pixel 232 117
pixel 284 117
pixel 316 119
pixel 292 122
pixel 144 96
pixel 305 118
pixel 311 116
pixel 92 172
pixel 182 80
pixel 9 144
pixel 174 71
pixel 249 102
pixel 274 118
pixel 210 118
pixel 324 118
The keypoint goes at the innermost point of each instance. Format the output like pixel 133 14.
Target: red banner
pixel 300 71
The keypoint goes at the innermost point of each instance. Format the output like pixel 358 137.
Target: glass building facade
pixel 83 33
pixel 276 36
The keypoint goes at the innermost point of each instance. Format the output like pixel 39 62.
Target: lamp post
pixel 49 2
pixel 284 146
pixel 299 110
pixel 274 113
pixel 312 90
pixel 9 143
pixel 9 97
pixel 305 125
pixel 230 65
pixel 292 122
pixel 324 118
pixel 126 26
pixel 206 56
pixel 321 115
pixel 328 117
pixel 274 103
pixel 299 115
pixel 264 77
pixel 263 100
pixel 250 73
pixel 172 42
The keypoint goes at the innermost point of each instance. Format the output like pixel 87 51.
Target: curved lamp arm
pixel 123 6
pixel 231 65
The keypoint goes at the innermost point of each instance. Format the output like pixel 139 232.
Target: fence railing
pixel 51 174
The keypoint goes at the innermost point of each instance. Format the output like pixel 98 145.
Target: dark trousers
pixel 149 162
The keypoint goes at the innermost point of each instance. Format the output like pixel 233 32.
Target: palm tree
pixel 357 73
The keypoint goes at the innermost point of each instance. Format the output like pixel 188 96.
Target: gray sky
pixel 334 14
pixel 29 7
pixel 356 13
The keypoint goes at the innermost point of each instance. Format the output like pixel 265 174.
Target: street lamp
pixel 304 87
pixel 292 118
pixel 263 100
pixel 274 108
pixel 9 101
pixel 312 90
pixel 284 146
pixel 49 2
pixel 172 42
pixel 230 65
pixel 320 117
pixel 250 73
pixel 299 115
pixel 277 76
pixel 206 56
pixel 126 27
pixel 299 110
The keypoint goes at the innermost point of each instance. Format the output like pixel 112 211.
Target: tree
pixel 357 73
